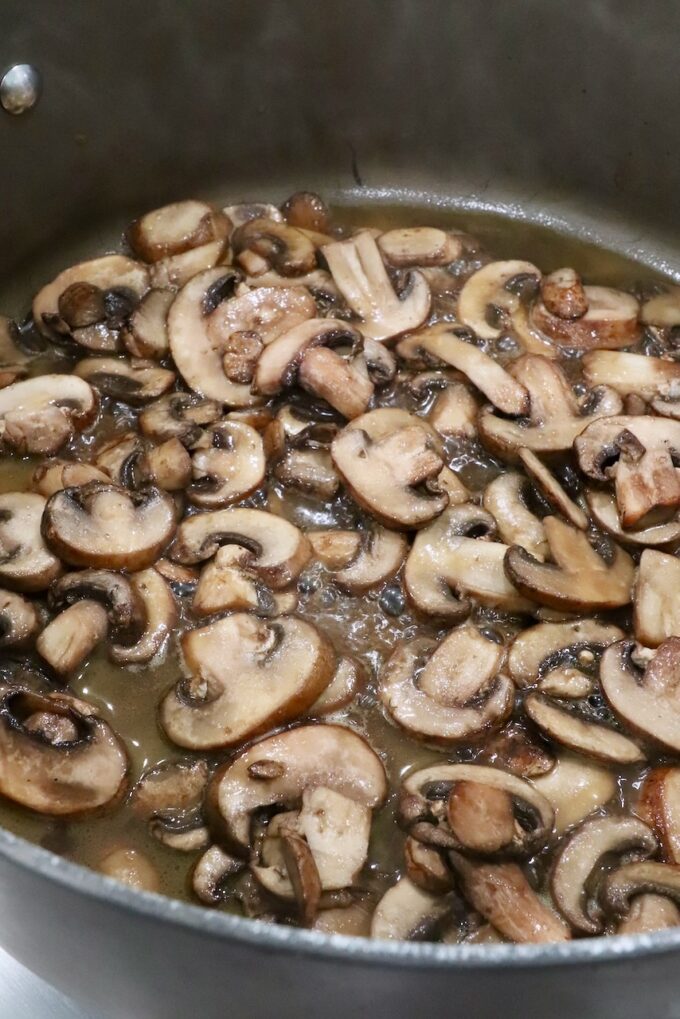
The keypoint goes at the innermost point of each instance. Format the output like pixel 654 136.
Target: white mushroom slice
pixel 631 374
pixel 443 345
pixel 57 756
pixel 278 549
pixel 646 703
pixel 267 311
pixel 408 913
pixel 538 648
pixel 563 294
pixel 197 357
pixel 487 290
pixel 160 610
pixel 580 733
pixel 277 770
pixel 517 525
pixel 335 549
pixel 575 787
pixel 211 875
pixel 353 921
pixel 663 309
pixel 179 415
pixel 448 694
pixel 656 611
pixel 605 513
pixel 659 807
pixel 454 412
pixel 102 525
pixel 26 563
pixel 112 272
pixel 18 620
pixel 176 228
pixel 319 283
pixel 147 331
pixel 168 466
pixel 68 639
pixel 310 470
pixel 657 884
pixel 247 675
pixel 54 475
pixel 131 868
pixel 285 249
pixel 279 362
pixel 40 414
pixel 131 382
pixel 170 788
pixel 649 913
pixel 502 894
pixel 360 560
pixel 360 275
pixel 571 684
pixel 578 578
pixel 445 566
pixel 408 247
pixel 341 382
pixel 555 416
pixel 119 457
pixel 176 271
pixel 552 490
pixel 611 321
pixel 227 464
pixel 230 582
pixel 581 854
pixel 348 679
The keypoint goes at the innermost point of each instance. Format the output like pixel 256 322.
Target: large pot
pixel 564 114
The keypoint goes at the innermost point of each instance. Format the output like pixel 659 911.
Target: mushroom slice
pixel 175 271
pixel 640 454
pixel 656 612
pixel 450 693
pixel 409 913
pixel 103 525
pixel 631 374
pixel 610 321
pixel 269 312
pixel 341 382
pixel 517 525
pixel 278 549
pixel 391 468
pixel 57 756
pixel 578 579
pixel 196 355
pixel 408 247
pixel 490 289
pixel 605 513
pixel 179 415
pixel 284 248
pixel 514 750
pixel 54 475
pixel 578 858
pixel 360 560
pixel 169 796
pixel 580 733
pixel 131 868
pixel 210 878
pixel 13 357
pixel 646 878
pixel 575 787
pixel 247 675
pixel 552 490
pixel 307 211
pixel 426 867
pixel 279 361
pixel 445 566
pixel 454 412
pixel 336 549
pixel 659 807
pixel 230 582
pixel 348 679
pixel 361 277
pixel 228 464
pixel 502 894
pixel 176 228
pixel 69 638
pixel 648 703
pixel 40 414
pixel 555 417
pixel 18 620
pixel 277 770
pixel 353 921
pixel 563 294
pixel 133 382
pixel 662 309
pixel 310 470
pixel 147 331
pixel 160 609
pixel 26 563
pixel 441 344
pixel 649 913
pixel 168 466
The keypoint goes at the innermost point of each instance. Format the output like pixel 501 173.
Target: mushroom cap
pixel 596 446
pixel 407 247
pixel 268 311
pixel 642 878
pixel 285 248
pixel 648 704
pixel 26 563
pixel 279 361
pixel 179 415
pixel 517 525
pixel 18 619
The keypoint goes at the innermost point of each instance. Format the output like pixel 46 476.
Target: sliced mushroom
pixel 310 470
pixel 335 549
pixel 441 344
pixel 408 247
pixel 656 612
pixel 228 464
pixel 131 868
pixel 341 382
pixel 57 756
pixel 581 733
pixel 647 703
pixel 454 412
pixel 133 382
pixel 211 875
pixel 426 867
pixel 26 563
pixel 360 275
pixel 563 294
pixel 168 466
pixel 246 675
pixel 147 331
pixel 175 271
pixel 265 313
pixel 648 913
pixel 448 694
pixel 353 920
pixel 67 641
pixel 552 490
pixel 348 679
pixel 160 614
pixel 104 526
pixel 176 228
pixel 662 309
pixel 513 749
pixel 18 620
pixel 578 579
pixel 307 211
pixel 307 757
pixel 610 321
pixel 179 415
pixel 489 293
pixel 632 374
pixel 577 860
pixel 360 560
pixel 54 475
pixel 40 414
pixel 409 913
pixel 504 499
pixel 575 787
pixel 284 247
pixel 605 514
pixel 555 416
pixel 230 582
pixel 446 565
pixel 169 797
pixel 279 362
pixel 538 649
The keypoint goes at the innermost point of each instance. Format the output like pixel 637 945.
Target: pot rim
pixel 332 947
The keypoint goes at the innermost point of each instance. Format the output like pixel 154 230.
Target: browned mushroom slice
pixel 229 581
pixel 310 470
pixel 605 513
pixel 579 857
pixel 489 295
pixel 160 611
pixel 168 466
pixel 26 563
pixel 265 312
pixel 555 416
pixel 342 382
pixel 53 475
pixel 446 565
pixel 360 560
pixel 211 875
pixel 502 894
pixel 307 211
pixel 575 787
pixel 57 756
pixel 504 499
pixel 175 271
pixel 552 490
pixel 581 733
pixel 176 228
pixel 102 525
pixel 69 638
pixel 283 247
pixel 246 675
pixel 18 620
pixel 513 749
pixel 481 817
pixel 179 415
pixel 656 612
pixel 646 702
pixel 578 579
pixel 349 677
pixel 632 374
pixel 228 464
pixel 426 867
pixel 277 770
pixel 648 913
pixel 409 913
pixel 450 693
pixel 278 549
pixel 147 331
pixel 40 414
pixel 169 796
pixel 609 319
pixel 454 412
pixel 131 382
pixel 360 275
pixel 441 344
pixel 407 247
pixel 353 920
pixel 537 649
pixel 563 294
pixel 279 362
pixel 335 549
pixel 659 807
pixel 654 888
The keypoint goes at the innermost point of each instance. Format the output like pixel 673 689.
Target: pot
pixel 557 114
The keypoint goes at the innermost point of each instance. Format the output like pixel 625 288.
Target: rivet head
pixel 20 88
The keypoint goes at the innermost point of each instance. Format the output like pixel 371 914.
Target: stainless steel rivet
pixel 20 88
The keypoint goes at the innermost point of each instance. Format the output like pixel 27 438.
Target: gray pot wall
pixel 565 114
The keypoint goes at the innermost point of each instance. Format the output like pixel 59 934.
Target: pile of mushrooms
pixel 379 520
